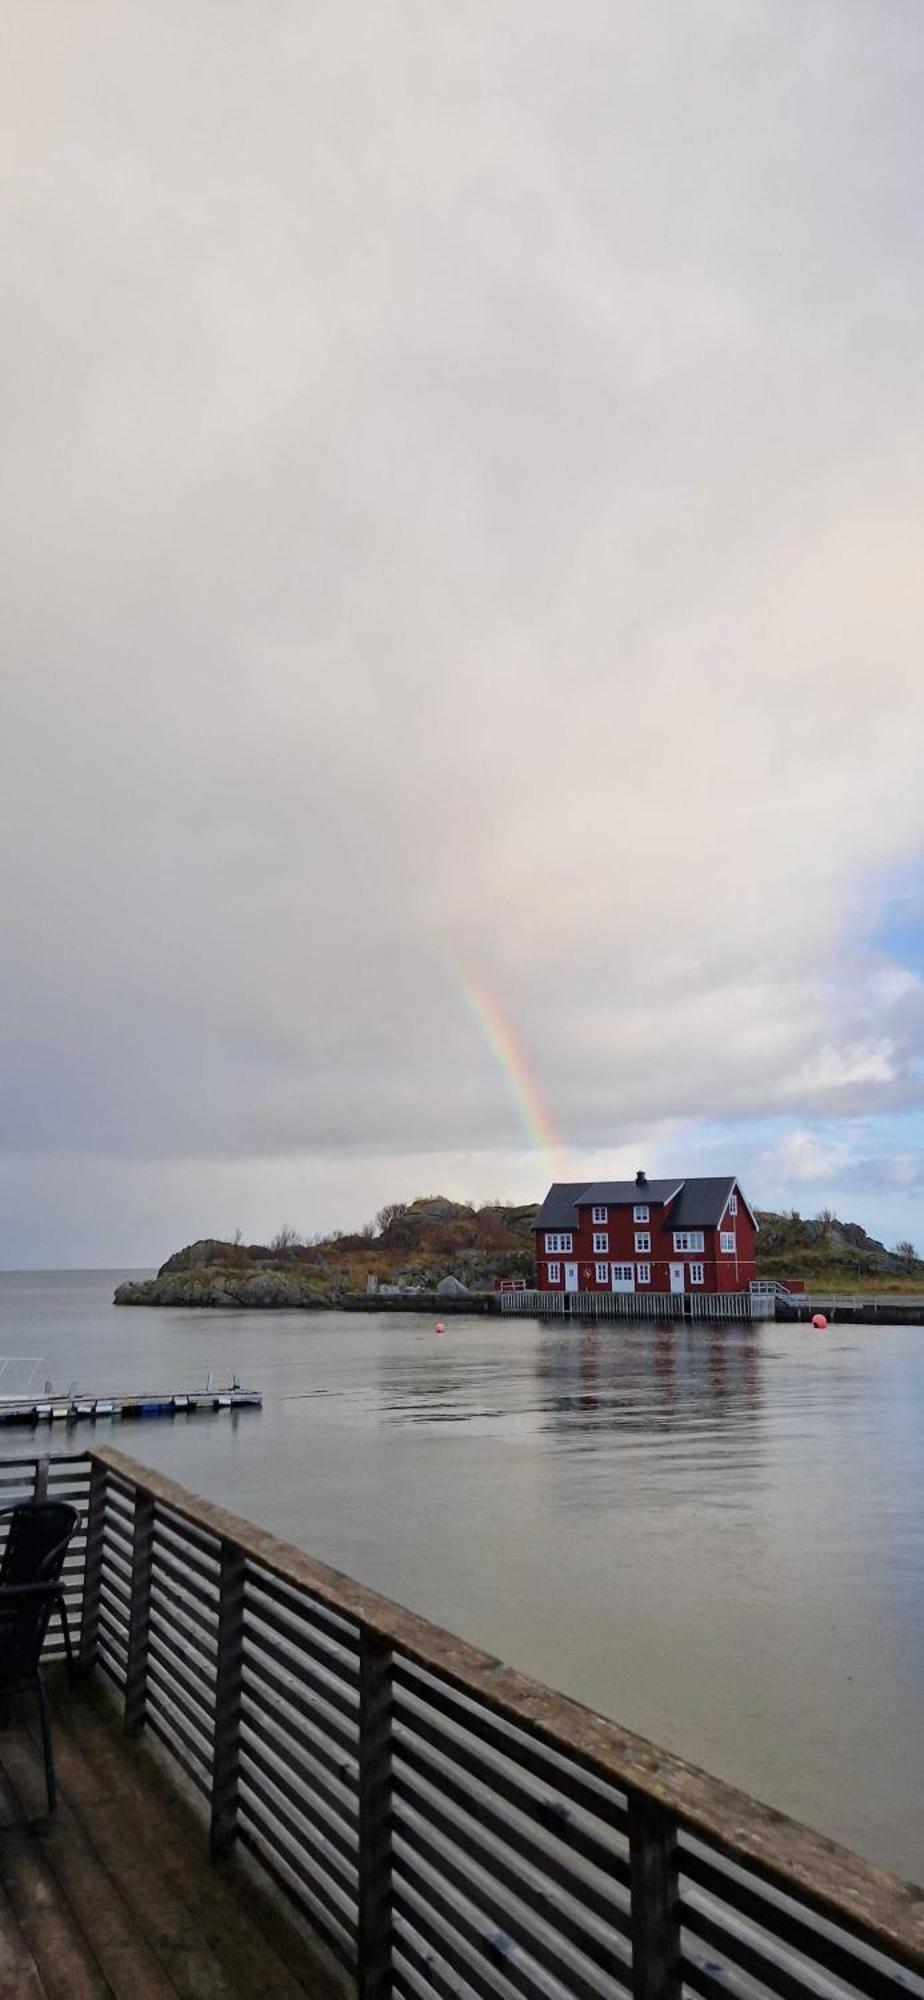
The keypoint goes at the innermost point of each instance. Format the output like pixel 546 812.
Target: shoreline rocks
pixel 253 1291
pixel 276 1291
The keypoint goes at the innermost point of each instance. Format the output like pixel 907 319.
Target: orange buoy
pixel 440 1326
pixel 819 1322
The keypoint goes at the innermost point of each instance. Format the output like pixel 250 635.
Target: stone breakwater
pixel 251 1291
pixel 275 1291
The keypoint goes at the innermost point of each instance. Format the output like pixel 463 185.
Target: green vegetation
pixel 832 1254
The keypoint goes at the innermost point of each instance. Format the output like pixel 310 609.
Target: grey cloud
pixel 460 495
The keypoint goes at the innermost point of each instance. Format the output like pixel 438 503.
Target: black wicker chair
pixel 30 1591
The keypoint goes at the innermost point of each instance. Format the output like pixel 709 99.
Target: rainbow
pixel 512 1063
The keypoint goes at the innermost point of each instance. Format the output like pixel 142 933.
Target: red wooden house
pixel 659 1236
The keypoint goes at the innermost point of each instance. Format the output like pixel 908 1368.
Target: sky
pixel 462 694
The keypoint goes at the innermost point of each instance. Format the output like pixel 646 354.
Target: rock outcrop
pixel 255 1290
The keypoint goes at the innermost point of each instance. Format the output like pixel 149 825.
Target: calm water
pixel 715 1537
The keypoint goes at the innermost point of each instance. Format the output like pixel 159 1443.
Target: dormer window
pixel 640 1212
pixel 599 1214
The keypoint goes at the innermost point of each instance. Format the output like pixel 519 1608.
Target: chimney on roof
pixel 641 1178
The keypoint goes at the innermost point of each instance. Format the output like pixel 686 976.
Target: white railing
pixel 628 1305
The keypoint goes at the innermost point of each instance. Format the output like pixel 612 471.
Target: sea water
pixel 714 1535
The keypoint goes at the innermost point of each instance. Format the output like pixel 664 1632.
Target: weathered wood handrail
pixel 443 1816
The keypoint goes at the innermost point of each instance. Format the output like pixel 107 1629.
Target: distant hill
pixel 421 1243
pixel 417 1243
pixel 826 1252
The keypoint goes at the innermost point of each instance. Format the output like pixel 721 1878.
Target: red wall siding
pixel 734 1274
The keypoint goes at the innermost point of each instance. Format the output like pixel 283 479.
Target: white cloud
pixel 805 1158
pixel 462 492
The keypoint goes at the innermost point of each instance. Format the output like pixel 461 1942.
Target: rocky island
pixel 436 1248
pixel 432 1246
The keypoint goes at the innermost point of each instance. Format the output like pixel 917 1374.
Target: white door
pixel 676 1277
pixel 570 1277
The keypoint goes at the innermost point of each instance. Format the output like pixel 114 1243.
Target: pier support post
pixel 374 1941
pixel 139 1617
pixel 92 1569
pixel 656 1954
pixel 226 1751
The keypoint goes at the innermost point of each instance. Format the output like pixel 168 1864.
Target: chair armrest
pixel 25 1593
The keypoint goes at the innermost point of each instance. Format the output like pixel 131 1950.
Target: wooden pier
pixel 444 1825
pixel 73 1409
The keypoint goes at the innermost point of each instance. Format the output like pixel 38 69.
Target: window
pixel 554 1274
pixel 623 1274
pixel 643 1274
pixel 640 1212
pixel 696 1274
pixel 733 1204
pixel 603 1273
pixel 554 1240
pixel 642 1243
pixel 601 1241
pixel 727 1241
pixel 599 1215
pixel 689 1239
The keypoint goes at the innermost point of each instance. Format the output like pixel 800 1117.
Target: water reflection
pixel 598 1378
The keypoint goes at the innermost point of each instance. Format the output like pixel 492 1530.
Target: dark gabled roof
pixel 700 1204
pixel 625 1194
pixel 559 1209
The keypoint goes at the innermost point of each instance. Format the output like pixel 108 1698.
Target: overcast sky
pixel 461 506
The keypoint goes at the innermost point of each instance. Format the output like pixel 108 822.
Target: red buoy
pixel 819 1322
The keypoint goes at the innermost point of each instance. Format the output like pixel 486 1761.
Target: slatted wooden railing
pixel 449 1826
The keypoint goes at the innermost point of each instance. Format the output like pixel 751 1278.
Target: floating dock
pixel 73 1408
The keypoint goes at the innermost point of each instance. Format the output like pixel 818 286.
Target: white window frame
pixel 602 1273
pixel 560 1240
pixel 640 1212
pixel 642 1243
pixel 623 1274
pixel 554 1274
pixel 733 1204
pixel 697 1274
pixel 601 1242
pixel 688 1241
pixel 643 1274
pixel 727 1242
pixel 598 1215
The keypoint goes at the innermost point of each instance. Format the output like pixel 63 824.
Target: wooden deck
pixel 446 1825
pixel 113 1896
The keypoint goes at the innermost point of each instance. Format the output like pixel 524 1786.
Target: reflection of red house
pixel 660 1236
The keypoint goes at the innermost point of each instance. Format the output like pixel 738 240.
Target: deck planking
pixel 113 1897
